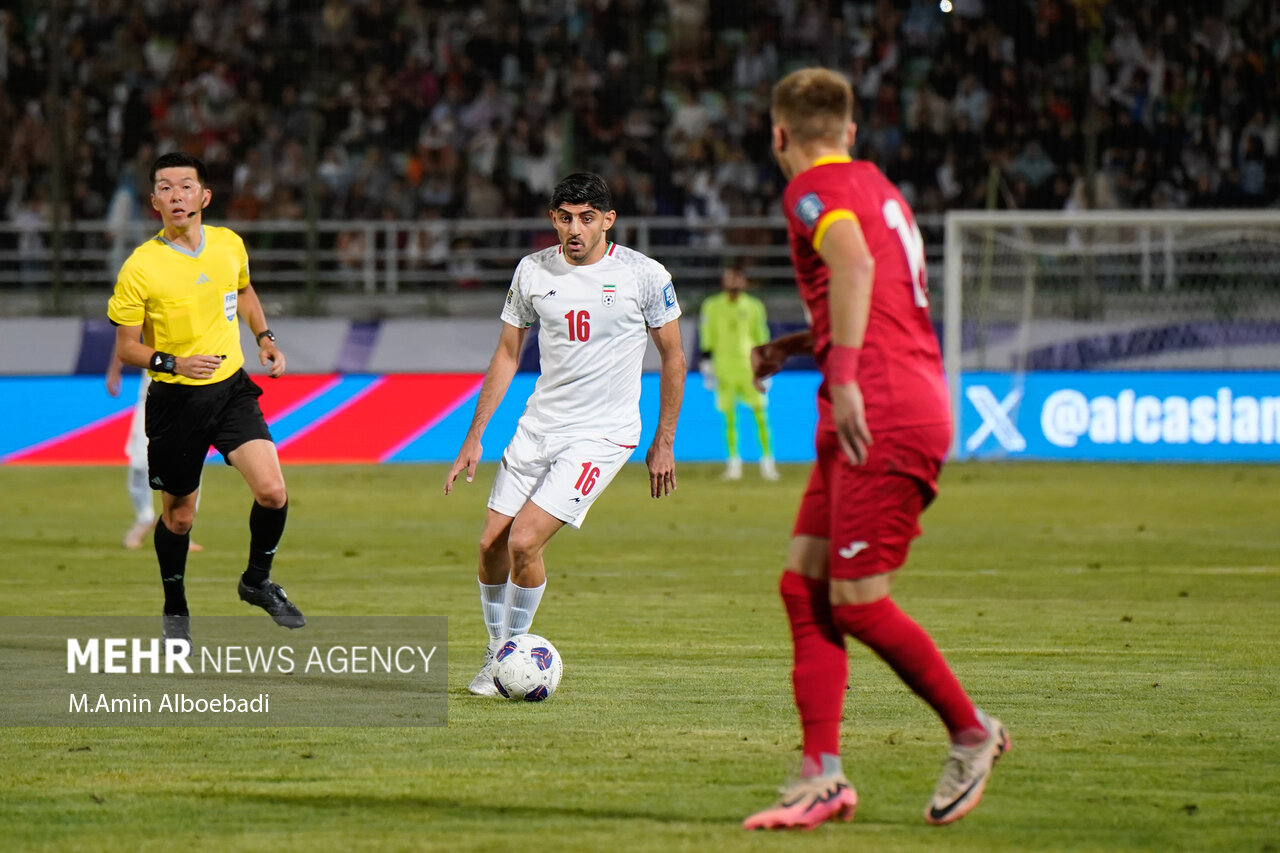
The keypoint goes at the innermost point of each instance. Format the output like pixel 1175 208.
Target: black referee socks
pixel 266 526
pixel 171 552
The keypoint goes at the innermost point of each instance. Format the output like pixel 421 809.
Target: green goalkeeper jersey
pixel 728 329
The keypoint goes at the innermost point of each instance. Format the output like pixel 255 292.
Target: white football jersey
pixel 593 329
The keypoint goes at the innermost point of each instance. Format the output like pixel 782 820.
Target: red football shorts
pixel 871 512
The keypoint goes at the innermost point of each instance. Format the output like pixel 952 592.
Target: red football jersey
pixel 900 370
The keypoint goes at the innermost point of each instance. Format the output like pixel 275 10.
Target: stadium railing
pixel 394 256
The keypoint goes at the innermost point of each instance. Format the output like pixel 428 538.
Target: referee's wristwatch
pixel 265 333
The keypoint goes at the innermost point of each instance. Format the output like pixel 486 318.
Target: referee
pixel 175 306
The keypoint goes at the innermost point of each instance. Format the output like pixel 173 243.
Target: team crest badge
pixel 609 294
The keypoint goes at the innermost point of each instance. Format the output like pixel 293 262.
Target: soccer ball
pixel 527 667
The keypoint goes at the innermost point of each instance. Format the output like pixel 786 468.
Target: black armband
pixel 163 362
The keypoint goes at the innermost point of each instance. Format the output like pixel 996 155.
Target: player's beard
pixel 583 251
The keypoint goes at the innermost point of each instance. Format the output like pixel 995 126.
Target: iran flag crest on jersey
pixel 609 292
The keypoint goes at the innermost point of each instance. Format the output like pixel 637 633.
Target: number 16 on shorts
pixel 587 479
pixel 581 474
pixel 563 475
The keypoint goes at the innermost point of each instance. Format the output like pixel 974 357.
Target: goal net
pixel 1029 292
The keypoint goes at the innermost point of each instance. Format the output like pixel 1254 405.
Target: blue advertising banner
pixel 1050 415
pixel 1121 417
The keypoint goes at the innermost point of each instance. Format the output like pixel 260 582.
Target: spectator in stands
pixel 30 218
pixel 421 92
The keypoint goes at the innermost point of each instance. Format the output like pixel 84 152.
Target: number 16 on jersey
pixel 579 325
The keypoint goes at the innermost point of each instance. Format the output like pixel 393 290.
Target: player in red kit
pixel 884 427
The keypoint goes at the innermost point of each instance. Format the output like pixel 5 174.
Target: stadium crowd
pixel 414 109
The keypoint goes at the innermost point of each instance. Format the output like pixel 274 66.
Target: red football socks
pixel 821 670
pixel 910 652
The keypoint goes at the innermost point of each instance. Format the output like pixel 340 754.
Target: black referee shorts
pixel 183 421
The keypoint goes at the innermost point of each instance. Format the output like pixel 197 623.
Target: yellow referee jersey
pixel 185 301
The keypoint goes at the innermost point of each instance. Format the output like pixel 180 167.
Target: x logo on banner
pixel 995 418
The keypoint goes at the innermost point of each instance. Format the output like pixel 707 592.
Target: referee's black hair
pixel 180 160
pixel 583 188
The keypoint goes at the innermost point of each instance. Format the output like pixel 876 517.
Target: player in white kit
pixel 596 303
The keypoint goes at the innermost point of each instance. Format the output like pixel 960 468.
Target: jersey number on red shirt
pixel 913 245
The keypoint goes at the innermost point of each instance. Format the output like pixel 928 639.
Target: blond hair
pixel 813 104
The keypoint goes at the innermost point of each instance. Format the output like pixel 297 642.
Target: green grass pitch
pixel 1122 620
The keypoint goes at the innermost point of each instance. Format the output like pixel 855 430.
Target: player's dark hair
pixel 180 160
pixel 583 188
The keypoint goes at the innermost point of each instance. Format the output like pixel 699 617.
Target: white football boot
pixel 965 775
pixel 482 684
pixel 768 468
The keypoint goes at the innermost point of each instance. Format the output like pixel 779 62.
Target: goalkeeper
pixel 731 323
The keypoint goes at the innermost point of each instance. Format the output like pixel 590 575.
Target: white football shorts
pixel 562 474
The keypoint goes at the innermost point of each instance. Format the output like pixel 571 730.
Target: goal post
pixel 1031 293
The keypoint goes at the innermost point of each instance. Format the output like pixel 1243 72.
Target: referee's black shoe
pixel 176 626
pixel 271 598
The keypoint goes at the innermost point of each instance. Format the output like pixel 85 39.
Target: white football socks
pixel 493 601
pixel 140 494
pixel 522 603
